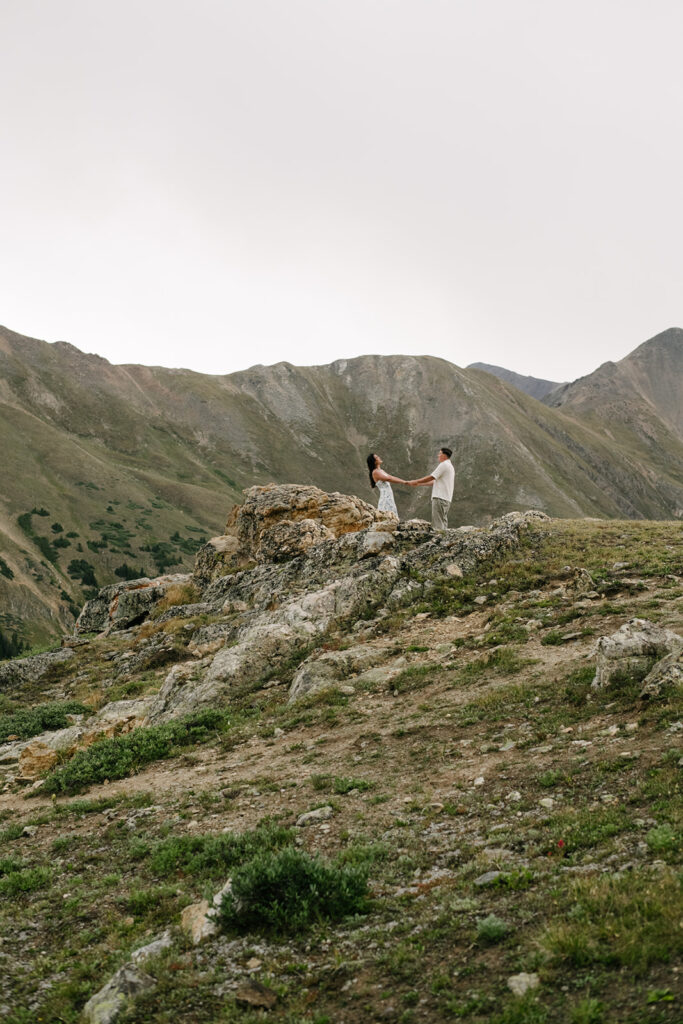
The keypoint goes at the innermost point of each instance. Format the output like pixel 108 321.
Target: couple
pixel 442 480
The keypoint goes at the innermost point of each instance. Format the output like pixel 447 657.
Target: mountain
pixel 534 386
pixel 636 403
pixel 124 470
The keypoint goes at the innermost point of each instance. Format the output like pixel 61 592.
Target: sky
pixel 218 183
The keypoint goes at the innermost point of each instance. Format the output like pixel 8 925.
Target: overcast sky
pixel 218 183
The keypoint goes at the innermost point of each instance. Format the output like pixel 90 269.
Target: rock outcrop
pixel 275 610
pixel 283 521
pixel 631 650
pixel 29 670
pixel 122 605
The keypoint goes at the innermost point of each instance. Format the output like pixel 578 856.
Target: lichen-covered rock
pixel 218 556
pixel 272 638
pixel 35 759
pixel 631 650
pixel 325 670
pixel 197 922
pixel 279 522
pixel 122 605
pixel 22 671
pixel 374 542
pixel 290 539
pixel 107 1004
pixel 664 676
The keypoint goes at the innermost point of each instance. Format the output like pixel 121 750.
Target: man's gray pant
pixel 440 509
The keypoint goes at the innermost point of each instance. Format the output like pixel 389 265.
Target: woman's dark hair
pixel 372 465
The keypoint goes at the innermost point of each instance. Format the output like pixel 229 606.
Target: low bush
pixel 212 856
pixel 288 891
pixel 492 929
pixel 125 755
pixel 31 721
pixel 25 880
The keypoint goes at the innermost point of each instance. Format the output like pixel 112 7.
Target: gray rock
pixel 632 648
pixel 122 605
pixel 287 539
pixel 322 671
pixel 664 676
pixel 21 671
pixel 374 542
pixel 520 984
pixel 271 639
pixel 488 878
pixel 107 1004
pixel 153 948
pixel 185 611
pixel 313 817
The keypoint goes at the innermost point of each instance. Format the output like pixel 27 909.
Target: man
pixel 443 482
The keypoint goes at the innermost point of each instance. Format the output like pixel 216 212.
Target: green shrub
pixel 32 721
pixel 125 755
pixel 662 839
pixel 288 891
pixel 78 568
pixel 212 856
pixel 492 929
pixel 5 570
pixel 552 639
pixel 26 880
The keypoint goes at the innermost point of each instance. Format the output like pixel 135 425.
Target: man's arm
pixel 423 481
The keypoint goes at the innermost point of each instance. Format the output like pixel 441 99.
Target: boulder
pixel 107 1004
pixel 314 817
pixel 114 719
pixel 374 542
pixel 325 670
pixel 153 948
pixel 289 539
pixel 35 759
pixel 21 671
pixel 631 650
pixel 197 921
pixel 126 604
pixel 217 557
pixel 282 521
pixel 664 676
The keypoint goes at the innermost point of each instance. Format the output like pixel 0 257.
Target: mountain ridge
pixel 139 462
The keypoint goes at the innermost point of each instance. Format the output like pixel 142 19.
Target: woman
pixel 378 478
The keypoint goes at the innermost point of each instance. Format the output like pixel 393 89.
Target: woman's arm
pixel 379 474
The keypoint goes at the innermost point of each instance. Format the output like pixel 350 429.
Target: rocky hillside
pixel 351 770
pixel 117 471
pixel 637 403
pixel 534 386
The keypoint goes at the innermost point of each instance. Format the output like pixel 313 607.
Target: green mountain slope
pixel 134 465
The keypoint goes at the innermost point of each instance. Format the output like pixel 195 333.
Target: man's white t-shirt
pixel 444 480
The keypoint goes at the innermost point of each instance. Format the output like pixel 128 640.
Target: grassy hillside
pixel 509 819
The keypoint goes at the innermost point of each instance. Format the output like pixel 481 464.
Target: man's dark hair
pixel 446 451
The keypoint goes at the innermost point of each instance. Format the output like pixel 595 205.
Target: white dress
pixel 386 497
